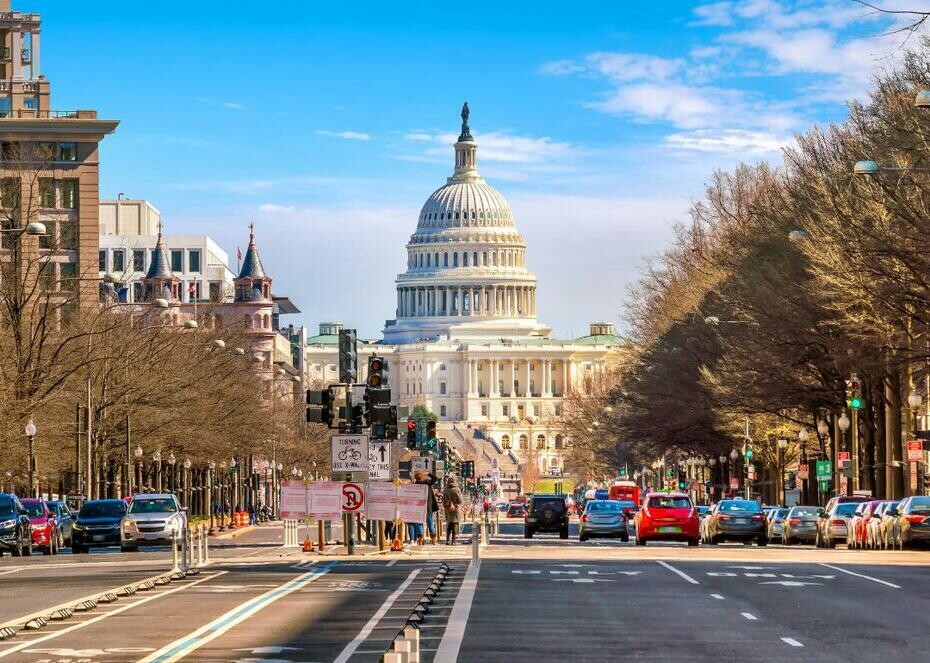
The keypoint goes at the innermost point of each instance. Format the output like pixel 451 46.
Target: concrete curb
pixel 239 531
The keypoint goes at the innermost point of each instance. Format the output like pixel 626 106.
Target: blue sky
pixel 329 125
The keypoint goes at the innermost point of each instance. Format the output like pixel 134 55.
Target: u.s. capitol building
pixel 466 342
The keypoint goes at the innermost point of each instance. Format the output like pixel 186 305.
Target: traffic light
pixel 411 434
pixel 682 480
pixel 376 367
pixel 854 393
pixel 320 406
pixel 431 440
pixel 348 356
pixel 468 469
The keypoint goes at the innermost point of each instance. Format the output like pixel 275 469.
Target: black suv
pixel 15 527
pixel 546 513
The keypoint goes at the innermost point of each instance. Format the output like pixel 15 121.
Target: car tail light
pixel 720 516
pixel 915 518
pixel 584 518
pixel 794 521
pixel 837 521
pixel 759 519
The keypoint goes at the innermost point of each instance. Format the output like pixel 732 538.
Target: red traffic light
pixel 411 424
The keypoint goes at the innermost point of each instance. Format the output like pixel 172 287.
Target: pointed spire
pixel 159 267
pixel 252 264
pixel 466 153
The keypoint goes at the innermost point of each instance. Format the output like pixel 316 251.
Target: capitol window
pixel 455 259
pixel 442 410
pixel 442 388
pixel 505 440
pixel 474 258
pixel 445 259
pixel 540 441
pixel 484 410
pixel 465 260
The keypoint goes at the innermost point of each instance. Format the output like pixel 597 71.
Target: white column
pixel 547 378
pixel 399 312
pixel 16 45
pixel 513 377
pixel 35 54
pixel 526 388
pixel 461 309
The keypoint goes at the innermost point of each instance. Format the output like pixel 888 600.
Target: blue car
pixel 98 524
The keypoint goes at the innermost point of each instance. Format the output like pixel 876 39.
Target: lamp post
pixel 734 456
pixel 782 445
pixel 31 434
pixel 172 477
pixel 138 454
pixel 914 401
pixel 187 483
pixel 222 483
pixel 156 458
pixel 209 488
pixel 276 480
pixel 843 423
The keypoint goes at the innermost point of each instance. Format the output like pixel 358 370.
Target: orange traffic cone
pixel 308 545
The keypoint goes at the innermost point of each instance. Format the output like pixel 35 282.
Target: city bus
pixel 626 492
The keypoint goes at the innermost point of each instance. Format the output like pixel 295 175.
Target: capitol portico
pixel 466 342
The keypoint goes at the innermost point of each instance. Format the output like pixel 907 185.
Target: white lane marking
pixel 859 575
pixel 117 611
pixel 448 650
pixel 188 643
pixel 718 596
pixel 792 642
pixel 350 648
pixel 748 615
pixel 390 564
pixel 681 573
pixel 3 573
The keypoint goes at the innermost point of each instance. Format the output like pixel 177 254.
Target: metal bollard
pixel 412 635
pixel 402 647
pixel 206 545
pixel 474 541
pixel 185 549
pixel 195 553
pixel 174 550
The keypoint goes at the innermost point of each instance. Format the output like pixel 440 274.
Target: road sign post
pixel 350 453
pixel 379 461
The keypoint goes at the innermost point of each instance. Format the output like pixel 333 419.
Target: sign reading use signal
pixel 350 453
pixel 379 460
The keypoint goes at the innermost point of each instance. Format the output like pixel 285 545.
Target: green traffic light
pixel 748 453
pixel 855 403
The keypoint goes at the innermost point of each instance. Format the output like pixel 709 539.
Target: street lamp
pixel 734 454
pixel 173 479
pixel 843 422
pixel 803 435
pixel 137 452
pixel 31 434
pixel 156 458
pixel 914 400
pixel 823 428
pixel 186 483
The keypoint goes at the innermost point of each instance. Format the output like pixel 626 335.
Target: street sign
pixel 350 453
pixel 803 471
pixel 913 476
pixel 353 497
pixel 915 451
pixel 841 456
pixel 824 469
pixel 424 463
pixel 379 460
pixel 734 483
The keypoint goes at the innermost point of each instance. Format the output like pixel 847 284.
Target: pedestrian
pixel 251 508
pixel 432 505
pixel 451 500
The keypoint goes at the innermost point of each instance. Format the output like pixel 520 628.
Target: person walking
pixel 432 505
pixel 451 501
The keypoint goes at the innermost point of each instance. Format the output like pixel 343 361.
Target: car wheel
pixel 527 533
pixel 625 538
pixel 78 550
pixel 640 541
pixel 789 541
pixel 27 549
pixel 582 538
pixel 563 533
pixel 747 542
pixel 762 541
pixel 17 551
pixel 831 544
pixel 692 542
pixel 128 549
pixel 714 540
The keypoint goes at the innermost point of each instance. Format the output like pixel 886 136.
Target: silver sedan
pixel 603 518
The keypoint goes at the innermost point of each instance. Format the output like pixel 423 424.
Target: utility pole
pixel 128 471
pixel 89 461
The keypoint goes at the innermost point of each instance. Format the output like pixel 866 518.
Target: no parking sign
pixel 353 497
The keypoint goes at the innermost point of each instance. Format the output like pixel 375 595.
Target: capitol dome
pixel 466 272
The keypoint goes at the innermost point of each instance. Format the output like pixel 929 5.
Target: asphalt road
pixel 544 599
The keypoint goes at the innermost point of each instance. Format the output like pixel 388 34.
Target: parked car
pixel 151 518
pixel 912 524
pixel 800 525
pixel 603 518
pixel 44 525
pixel 738 520
pixel 546 513
pixel 858 524
pixel 667 517
pixel 886 525
pixel 516 511
pixel 775 523
pixel 65 522
pixel 98 524
pixel 15 528
pixel 832 524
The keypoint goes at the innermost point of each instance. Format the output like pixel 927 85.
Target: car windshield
pixel 6 503
pixel 34 509
pixel 626 504
pixel 657 502
pixel 105 509
pixel 920 506
pixel 800 511
pixel 846 509
pixel 158 505
pixel 743 506
pixel 603 507
pixel 781 513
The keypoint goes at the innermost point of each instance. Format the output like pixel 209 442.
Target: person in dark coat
pixel 432 505
pixel 451 501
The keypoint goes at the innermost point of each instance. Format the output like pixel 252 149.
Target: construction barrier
pixel 291 537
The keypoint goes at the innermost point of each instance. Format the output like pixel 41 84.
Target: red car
pixel 516 511
pixel 44 526
pixel 858 526
pixel 667 517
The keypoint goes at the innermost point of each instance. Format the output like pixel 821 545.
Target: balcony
pixel 36 114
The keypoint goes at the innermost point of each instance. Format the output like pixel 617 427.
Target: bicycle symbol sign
pixel 350 453
pixel 353 497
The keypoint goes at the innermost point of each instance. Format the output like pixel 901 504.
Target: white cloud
pixel 737 142
pixel 621 67
pixel 561 68
pixel 521 154
pixel 347 135
pixel 272 208
pixel 715 14
pixel 232 105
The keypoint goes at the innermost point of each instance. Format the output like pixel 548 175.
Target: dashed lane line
pixel 792 642
pixel 748 615
pixel 121 609
pixel 860 575
pixel 718 596
pixel 350 648
pixel 678 571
